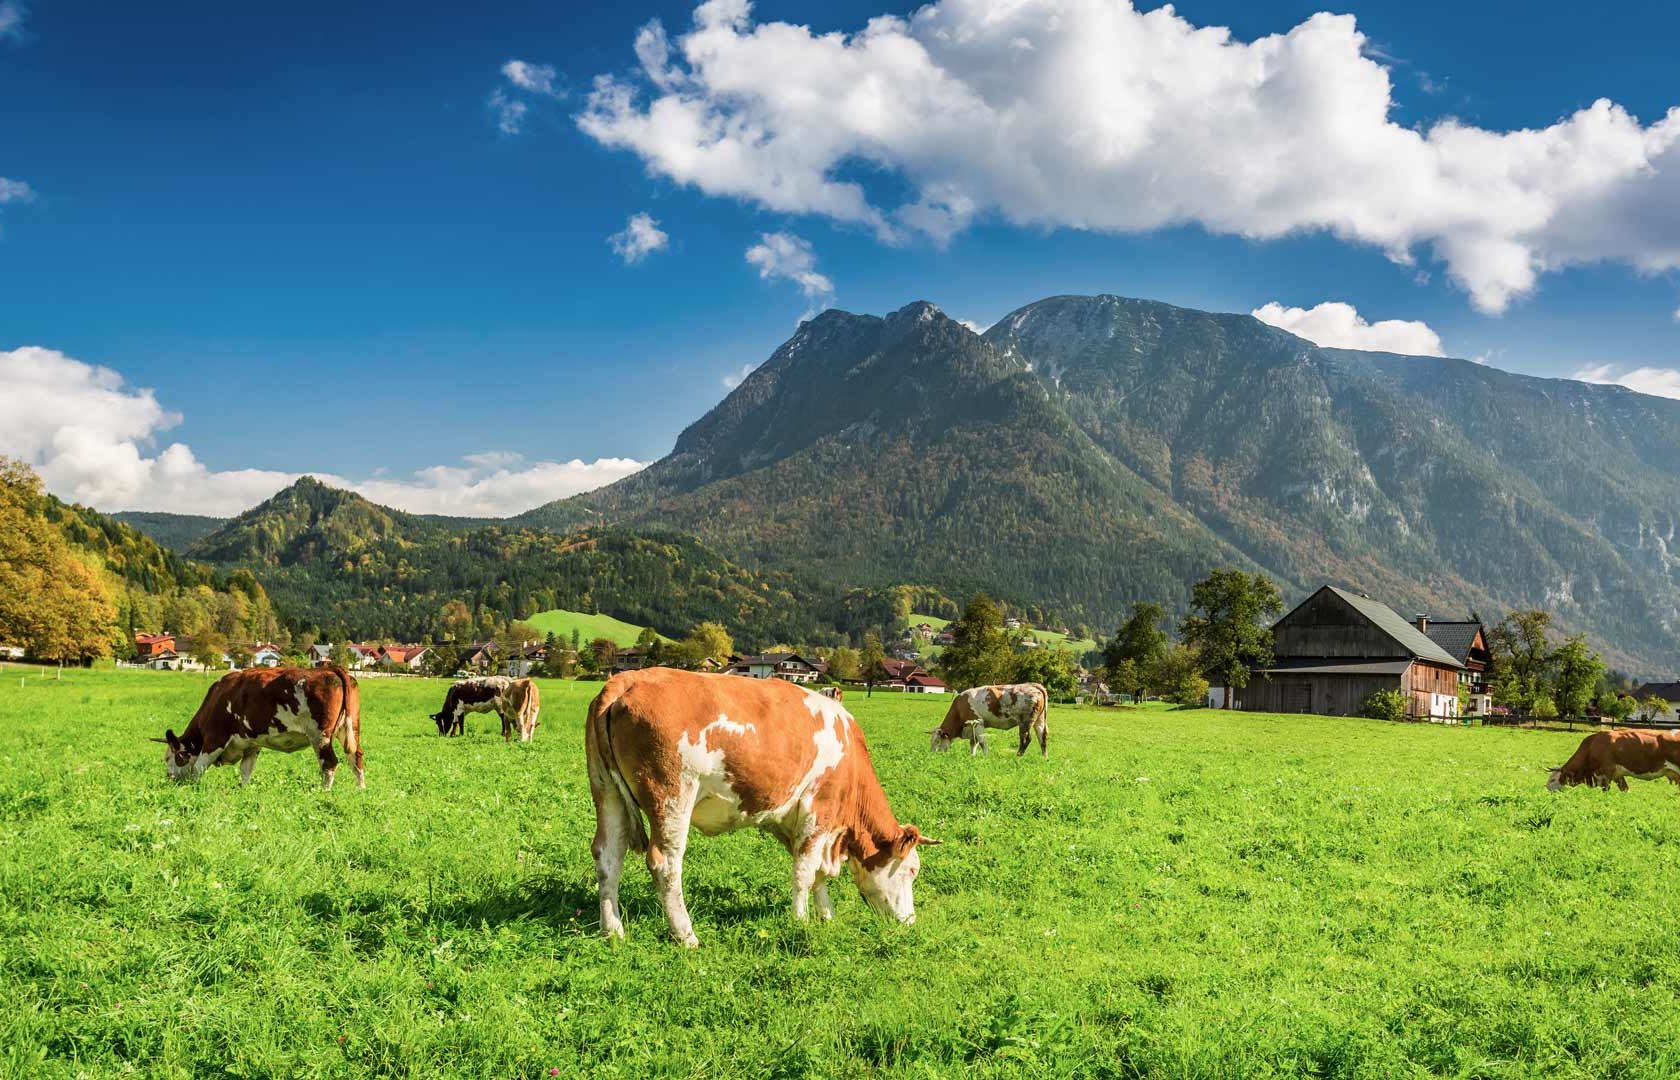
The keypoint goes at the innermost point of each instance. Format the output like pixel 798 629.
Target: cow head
pixel 180 756
pixel 941 741
pixel 886 886
pixel 1555 780
pixel 443 721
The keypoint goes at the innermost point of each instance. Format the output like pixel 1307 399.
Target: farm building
pixel 923 683
pixel 1466 642
pixel 1668 691
pixel 1337 648
pixel 785 665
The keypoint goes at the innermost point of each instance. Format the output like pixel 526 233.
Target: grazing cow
pixel 833 692
pixel 1016 705
pixel 722 753
pixel 285 709
pixel 516 701
pixel 1610 757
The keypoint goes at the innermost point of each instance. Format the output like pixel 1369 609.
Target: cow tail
pixel 350 717
pixel 600 737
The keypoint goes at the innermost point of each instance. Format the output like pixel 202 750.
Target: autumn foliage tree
pixel 51 602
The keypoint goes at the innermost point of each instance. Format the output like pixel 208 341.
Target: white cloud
pixel 15 191
pixel 1336 325
pixel 90 435
pixel 1090 114
pixel 736 378
pixel 974 326
pixel 640 238
pixel 510 112
pixel 12 16
pixel 784 256
pixel 1658 382
pixel 535 78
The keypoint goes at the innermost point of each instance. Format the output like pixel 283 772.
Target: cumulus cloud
pixel 640 237
pixel 509 111
pixel 736 378
pixel 1658 382
pixel 1090 114
pixel 535 78
pixel 90 435
pixel 784 256
pixel 1336 325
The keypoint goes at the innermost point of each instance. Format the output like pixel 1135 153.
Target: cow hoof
pixel 689 942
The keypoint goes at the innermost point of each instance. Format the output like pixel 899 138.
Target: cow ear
pixel 909 838
pixel 169 737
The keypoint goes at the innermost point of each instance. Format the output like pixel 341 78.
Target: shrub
pixel 1385 705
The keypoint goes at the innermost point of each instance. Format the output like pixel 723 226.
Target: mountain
pixel 173 531
pixel 336 562
pixel 1086 452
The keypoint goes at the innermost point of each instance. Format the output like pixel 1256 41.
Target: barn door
pixel 1301 697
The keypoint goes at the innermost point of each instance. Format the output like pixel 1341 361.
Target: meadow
pixel 562 624
pixel 1170 893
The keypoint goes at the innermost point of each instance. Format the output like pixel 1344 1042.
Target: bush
pixel 1385 705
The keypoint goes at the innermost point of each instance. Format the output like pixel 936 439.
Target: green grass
pixel 560 622
pixel 1173 894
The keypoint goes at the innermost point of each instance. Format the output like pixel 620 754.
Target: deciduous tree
pixel 1140 640
pixel 980 653
pixel 1228 625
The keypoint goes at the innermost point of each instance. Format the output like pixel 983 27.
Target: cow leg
pixel 1621 782
pixel 668 840
pixel 1043 730
pixel 612 840
pixel 1026 740
pixel 329 764
pixel 352 736
pixel 246 764
pixel 507 725
pixel 825 906
pixel 808 876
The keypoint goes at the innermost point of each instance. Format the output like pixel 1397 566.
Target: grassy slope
pixel 589 627
pixel 1080 646
pixel 1280 896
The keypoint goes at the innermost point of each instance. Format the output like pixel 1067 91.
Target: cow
pixel 280 708
pixel 833 693
pixel 722 753
pixel 1610 757
pixel 1015 705
pixel 516 701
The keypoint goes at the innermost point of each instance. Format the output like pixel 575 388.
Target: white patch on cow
pixel 717 806
pixel 723 723
pixel 301 707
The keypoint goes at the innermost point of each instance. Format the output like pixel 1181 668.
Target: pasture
pixel 1171 893
pixel 561 623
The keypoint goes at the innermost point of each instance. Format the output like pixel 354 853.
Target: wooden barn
pixel 1337 648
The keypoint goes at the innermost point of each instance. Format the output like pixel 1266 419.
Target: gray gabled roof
pixel 1340 667
pixel 1455 637
pixel 1396 626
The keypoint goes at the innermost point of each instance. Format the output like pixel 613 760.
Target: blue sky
pixel 304 228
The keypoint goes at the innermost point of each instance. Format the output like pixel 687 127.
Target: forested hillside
pixel 341 565
pixel 1092 451
pixel 174 531
pixel 79 583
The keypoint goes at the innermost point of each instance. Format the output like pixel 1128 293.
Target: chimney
pixel 1422 622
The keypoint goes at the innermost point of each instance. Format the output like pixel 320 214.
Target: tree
pixel 1522 659
pixel 980 653
pixel 1616 707
pixel 454 621
pixel 1053 668
pixel 708 639
pixel 51 602
pixel 604 651
pixel 240 655
pixel 1178 677
pixel 1385 705
pixel 1224 625
pixel 647 639
pixel 872 663
pixel 341 655
pixel 208 649
pixel 1140 640
pixel 1653 708
pixel 442 661
pixel 845 663
pixel 1576 671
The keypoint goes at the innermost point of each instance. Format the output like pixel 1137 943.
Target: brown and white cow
pixel 516 701
pixel 285 709
pixel 833 693
pixel 1610 757
pixel 721 753
pixel 1015 705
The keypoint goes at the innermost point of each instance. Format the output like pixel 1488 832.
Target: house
pixel 319 654
pixel 923 683
pixel 408 656
pixel 1667 691
pixel 944 637
pixel 631 659
pixel 476 655
pixel 1466 642
pixel 1012 623
pixel 265 654
pixel 784 665
pixel 899 673
pixel 147 646
pixel 1337 648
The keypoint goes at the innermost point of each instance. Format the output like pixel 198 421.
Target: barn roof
pixel 1396 626
pixel 1668 691
pixel 1339 667
pixel 1455 637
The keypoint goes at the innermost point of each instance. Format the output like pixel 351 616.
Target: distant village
pixel 1338 653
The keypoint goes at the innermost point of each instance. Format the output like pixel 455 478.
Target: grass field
pixel 1184 894
pixel 560 622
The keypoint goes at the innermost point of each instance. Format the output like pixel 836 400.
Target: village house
pixel 923 683
pixel 1465 641
pixel 148 646
pixel 1664 691
pixel 783 665
pixel 265 654
pixel 1337 648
